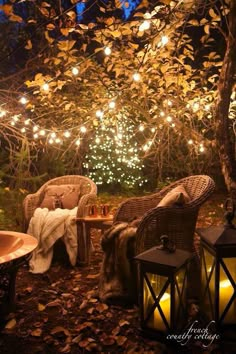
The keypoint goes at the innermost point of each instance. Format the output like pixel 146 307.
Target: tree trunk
pixel 226 145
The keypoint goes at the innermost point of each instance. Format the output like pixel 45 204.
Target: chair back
pixel 84 186
pixel 178 223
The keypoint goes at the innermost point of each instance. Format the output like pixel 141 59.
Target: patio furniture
pixel 177 222
pixel 65 192
pixel 84 226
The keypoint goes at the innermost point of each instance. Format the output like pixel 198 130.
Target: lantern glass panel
pixel 180 282
pixel 226 290
pixel 208 281
pixel 157 282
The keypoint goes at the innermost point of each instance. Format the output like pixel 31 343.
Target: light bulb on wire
pixel 75 71
pixel 45 87
pixel 136 77
pixel 107 50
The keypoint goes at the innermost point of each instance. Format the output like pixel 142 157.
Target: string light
pixel 190 142
pixel 67 134
pixel 83 129
pixel 23 100
pixel 169 119
pixel 141 128
pixel 112 104
pixel 45 87
pixel 77 142
pixel 107 50
pixel 136 77
pixel 2 113
pixel 164 40
pixel 99 113
pixel 144 26
pixel 42 132
pixel 75 71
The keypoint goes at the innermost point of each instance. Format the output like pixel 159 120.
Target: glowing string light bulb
pixel 36 136
pixel 2 113
pixel 144 26
pixel 67 134
pixel 35 128
pixel 75 71
pixel 164 40
pixel 77 142
pixel 27 122
pixel 169 119
pixel 97 140
pixel 112 104
pixel 190 142
pixel 53 135
pixel 42 132
pixel 136 77
pixel 141 128
pixel 83 129
pixel 107 50
pixel 23 100
pixel 45 87
pixel 99 113
pixel 23 130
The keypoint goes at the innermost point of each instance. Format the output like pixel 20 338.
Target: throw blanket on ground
pixel 117 277
pixel 48 226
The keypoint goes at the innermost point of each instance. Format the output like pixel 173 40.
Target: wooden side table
pixel 84 225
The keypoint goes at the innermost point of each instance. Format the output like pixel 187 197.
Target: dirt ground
pixel 59 312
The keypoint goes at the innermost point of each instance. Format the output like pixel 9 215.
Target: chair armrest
pixel 83 202
pixel 178 223
pixel 136 207
pixel 30 203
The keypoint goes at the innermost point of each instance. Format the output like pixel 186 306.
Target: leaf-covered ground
pixel 58 312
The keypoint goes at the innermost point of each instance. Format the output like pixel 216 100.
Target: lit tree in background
pixel 113 156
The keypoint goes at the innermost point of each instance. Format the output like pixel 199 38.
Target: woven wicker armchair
pixel 176 222
pixel 32 201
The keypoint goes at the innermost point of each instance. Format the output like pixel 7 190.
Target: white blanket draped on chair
pixel 47 227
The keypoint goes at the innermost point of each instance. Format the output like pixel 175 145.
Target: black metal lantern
pixel 218 270
pixel 162 284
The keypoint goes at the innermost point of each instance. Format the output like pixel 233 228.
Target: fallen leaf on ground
pixel 123 323
pixel 54 303
pixel 66 349
pixel 84 343
pixel 58 329
pixel 120 340
pixel 101 307
pixel 83 305
pixel 116 331
pixel 10 324
pixel 93 276
pixel 37 332
pixel 41 307
pixel 109 340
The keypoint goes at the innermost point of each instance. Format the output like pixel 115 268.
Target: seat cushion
pixel 64 196
pixel 177 196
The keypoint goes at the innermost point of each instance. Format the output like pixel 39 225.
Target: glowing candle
pixel 165 306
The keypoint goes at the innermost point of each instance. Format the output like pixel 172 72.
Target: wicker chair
pixel 32 201
pixel 176 222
